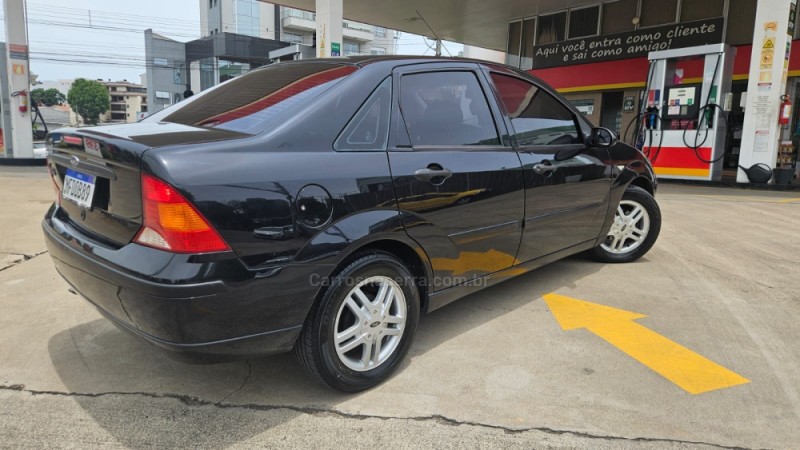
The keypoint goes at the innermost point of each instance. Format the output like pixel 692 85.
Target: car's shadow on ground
pixel 95 357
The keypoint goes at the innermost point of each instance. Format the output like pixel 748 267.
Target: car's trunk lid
pixel 109 158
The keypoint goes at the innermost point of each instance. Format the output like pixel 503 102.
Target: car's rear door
pixel 565 201
pixel 459 188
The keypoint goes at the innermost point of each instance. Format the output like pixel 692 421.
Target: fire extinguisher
pixel 22 97
pixel 786 110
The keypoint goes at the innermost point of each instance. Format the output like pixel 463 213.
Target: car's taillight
pixel 171 223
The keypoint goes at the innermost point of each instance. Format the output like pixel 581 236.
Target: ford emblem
pixel 74 160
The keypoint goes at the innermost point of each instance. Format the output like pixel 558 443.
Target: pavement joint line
pixel 189 400
pixel 25 257
pixel 246 379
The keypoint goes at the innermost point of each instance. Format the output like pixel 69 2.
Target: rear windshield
pixel 254 102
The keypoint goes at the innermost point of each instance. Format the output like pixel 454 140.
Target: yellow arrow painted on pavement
pixel 690 371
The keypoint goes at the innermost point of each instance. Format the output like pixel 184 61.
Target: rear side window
pixel 369 128
pixel 446 108
pixel 537 117
pixel 258 100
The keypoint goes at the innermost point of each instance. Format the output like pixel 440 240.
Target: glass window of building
pixel 247 17
pixel 350 48
pixel 740 21
pixel 231 69
pixel 292 37
pixel 512 49
pixel 701 10
pixel 380 31
pixel 658 12
pixel 528 32
pixel 583 22
pixel 618 16
pixel 377 51
pixel 552 28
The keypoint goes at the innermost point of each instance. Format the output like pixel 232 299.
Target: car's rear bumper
pixel 198 308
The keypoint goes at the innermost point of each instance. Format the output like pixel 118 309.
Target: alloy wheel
pixel 370 323
pixel 630 228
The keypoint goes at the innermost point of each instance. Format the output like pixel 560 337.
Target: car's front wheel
pixel 363 326
pixel 637 223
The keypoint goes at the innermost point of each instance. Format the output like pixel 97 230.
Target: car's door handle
pixel 433 173
pixel 544 168
pixel 273 233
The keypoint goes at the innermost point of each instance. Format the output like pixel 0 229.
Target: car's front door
pixel 460 190
pixel 565 200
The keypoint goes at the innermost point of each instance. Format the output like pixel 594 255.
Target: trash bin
pixel 783 176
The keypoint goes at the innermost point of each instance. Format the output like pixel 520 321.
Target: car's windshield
pixel 257 100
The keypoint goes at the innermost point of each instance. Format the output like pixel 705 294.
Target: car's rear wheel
pixel 637 223
pixel 363 326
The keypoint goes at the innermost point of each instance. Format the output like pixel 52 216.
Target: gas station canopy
pixel 482 23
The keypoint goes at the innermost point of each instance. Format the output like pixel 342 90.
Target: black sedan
pixel 324 205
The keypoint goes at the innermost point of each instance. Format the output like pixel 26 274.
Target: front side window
pixel 369 128
pixel 537 117
pixel 446 108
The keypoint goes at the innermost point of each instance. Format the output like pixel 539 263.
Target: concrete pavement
pixel 493 370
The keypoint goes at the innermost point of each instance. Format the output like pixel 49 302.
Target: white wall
pixel 484 53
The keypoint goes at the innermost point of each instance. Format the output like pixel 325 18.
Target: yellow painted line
pixel 745 199
pixel 681 171
pixel 598 87
pixel 691 372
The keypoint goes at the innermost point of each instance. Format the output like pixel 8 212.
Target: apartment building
pixel 128 102
pixel 238 36
pixel 298 27
pixel 269 21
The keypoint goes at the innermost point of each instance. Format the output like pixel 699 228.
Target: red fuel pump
pixel 785 111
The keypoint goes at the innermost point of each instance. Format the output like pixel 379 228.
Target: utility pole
pixel 438 39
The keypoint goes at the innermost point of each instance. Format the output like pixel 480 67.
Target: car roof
pixel 363 60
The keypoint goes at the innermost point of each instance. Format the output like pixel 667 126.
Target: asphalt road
pixel 494 370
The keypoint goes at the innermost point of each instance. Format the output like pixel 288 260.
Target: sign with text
pixel 631 44
pixel 585 106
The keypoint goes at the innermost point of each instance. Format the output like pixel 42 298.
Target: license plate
pixel 78 187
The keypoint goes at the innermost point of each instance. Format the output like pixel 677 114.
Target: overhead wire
pixel 66 52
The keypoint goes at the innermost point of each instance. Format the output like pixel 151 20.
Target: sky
pixel 104 39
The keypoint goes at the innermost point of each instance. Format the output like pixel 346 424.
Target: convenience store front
pixel 596 56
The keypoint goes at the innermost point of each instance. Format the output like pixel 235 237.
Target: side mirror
pixel 601 137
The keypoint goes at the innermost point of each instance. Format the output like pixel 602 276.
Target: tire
pixel 349 362
pixel 637 223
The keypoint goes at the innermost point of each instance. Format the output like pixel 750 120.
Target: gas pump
pixel 684 127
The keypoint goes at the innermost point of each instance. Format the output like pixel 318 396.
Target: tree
pixel 47 97
pixel 89 99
